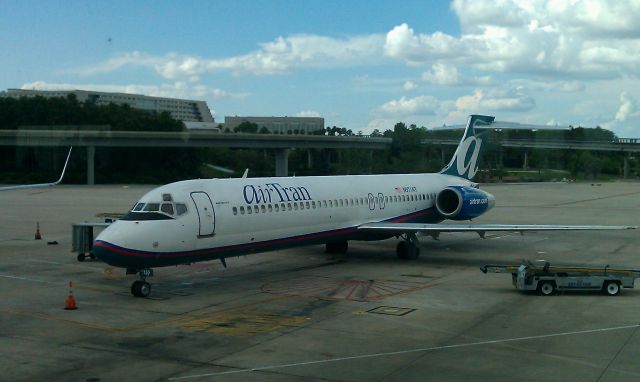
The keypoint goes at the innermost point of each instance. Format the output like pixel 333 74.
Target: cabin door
pixel 206 214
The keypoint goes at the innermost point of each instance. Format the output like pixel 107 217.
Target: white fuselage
pixel 227 217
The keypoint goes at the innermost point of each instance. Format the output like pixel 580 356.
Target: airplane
pixel 40 185
pixel 204 219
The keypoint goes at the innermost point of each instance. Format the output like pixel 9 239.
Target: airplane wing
pixel 40 185
pixel 435 229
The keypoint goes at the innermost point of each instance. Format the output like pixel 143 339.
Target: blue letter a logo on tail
pixel 465 160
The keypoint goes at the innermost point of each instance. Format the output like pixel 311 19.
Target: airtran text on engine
pixel 478 201
pixel 274 193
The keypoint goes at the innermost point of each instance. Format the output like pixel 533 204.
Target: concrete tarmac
pixel 303 315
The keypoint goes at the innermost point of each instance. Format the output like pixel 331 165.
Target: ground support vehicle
pixel 546 279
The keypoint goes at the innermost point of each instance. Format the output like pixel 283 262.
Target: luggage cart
pixel 540 276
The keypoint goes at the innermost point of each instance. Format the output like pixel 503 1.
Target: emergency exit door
pixel 206 214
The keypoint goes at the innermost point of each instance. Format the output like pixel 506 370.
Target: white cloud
pixel 409 86
pixel 308 113
pixel 175 90
pixel 550 86
pixel 628 108
pixel 578 38
pixel 482 101
pixel 421 105
pixel 279 56
pixel 448 75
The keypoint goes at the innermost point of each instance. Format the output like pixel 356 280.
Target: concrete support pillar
pixel 625 172
pixel 525 164
pixel 309 159
pixel 282 162
pixel 91 154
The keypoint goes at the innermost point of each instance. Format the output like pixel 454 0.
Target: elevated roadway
pixel 105 138
pixel 627 145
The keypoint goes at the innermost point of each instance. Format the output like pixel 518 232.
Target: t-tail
pixel 467 157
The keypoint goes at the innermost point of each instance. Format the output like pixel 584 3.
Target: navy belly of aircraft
pixel 204 219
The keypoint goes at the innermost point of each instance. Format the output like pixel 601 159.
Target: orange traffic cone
pixel 38 236
pixel 70 302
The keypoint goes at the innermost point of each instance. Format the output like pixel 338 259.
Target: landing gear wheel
pixel 407 250
pixel 92 256
pixel 547 288
pixel 135 288
pixel 611 288
pixel 140 288
pixel 81 257
pixel 337 247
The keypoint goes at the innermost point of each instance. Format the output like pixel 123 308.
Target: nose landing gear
pixel 141 288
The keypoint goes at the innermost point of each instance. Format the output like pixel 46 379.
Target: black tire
pixel 402 250
pixel 611 288
pixel 407 250
pixel 135 288
pixel 337 247
pixel 144 289
pixel 547 288
pixel 92 256
pixel 80 257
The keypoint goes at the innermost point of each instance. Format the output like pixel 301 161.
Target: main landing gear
pixel 337 247
pixel 409 247
pixel 141 288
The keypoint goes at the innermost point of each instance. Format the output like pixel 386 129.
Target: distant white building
pixel 282 125
pixel 180 109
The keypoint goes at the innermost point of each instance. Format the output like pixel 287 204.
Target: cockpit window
pixel 138 207
pixel 181 208
pixel 150 207
pixel 167 208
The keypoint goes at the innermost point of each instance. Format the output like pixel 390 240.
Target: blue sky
pixel 360 65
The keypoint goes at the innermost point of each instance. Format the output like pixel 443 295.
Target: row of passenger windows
pixel 294 206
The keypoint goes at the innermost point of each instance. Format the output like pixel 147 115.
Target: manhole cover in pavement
pixel 391 310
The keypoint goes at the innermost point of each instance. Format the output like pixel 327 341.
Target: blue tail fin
pixel 467 156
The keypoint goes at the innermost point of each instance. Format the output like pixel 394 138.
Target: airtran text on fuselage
pixel 274 193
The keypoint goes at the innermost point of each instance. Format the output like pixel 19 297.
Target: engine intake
pixel 463 203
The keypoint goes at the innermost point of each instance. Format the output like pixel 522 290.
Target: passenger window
pixel 277 207
pixel 138 207
pixel 301 206
pixel 307 204
pixel 235 210
pixel 263 208
pixel 249 210
pixel 313 204
pixel 295 206
pixel 335 203
pixel 270 208
pixel 256 209
pixel 341 203
pixel 181 209
pixel 324 203
pixel 282 207
pixel 167 208
pixel 241 210
pixel 289 206
pixel 151 207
